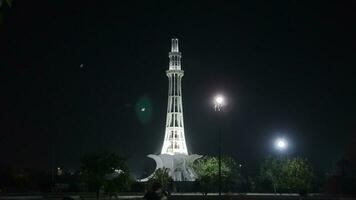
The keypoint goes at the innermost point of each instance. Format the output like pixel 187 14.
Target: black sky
pixel 286 67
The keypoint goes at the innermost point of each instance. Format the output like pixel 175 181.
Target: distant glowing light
pixel 281 144
pixel 143 109
pixel 218 102
pixel 59 171
pixel 118 171
pixel 219 99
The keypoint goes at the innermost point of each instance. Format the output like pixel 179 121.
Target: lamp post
pixel 218 104
pixel 281 145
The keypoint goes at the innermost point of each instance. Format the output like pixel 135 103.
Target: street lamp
pixel 281 144
pixel 218 104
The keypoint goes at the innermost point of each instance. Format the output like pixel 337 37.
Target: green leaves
pixel 209 166
pixel 297 175
pixel 287 175
pixel 161 177
pixel 207 170
pixel 106 170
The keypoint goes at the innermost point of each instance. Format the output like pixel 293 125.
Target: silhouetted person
pixel 156 192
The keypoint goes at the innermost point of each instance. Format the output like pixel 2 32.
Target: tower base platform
pixel 179 165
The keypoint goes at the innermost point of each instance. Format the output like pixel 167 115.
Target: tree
pixel 106 171
pixel 207 170
pixel 297 175
pixel 4 2
pixel 270 173
pixel 120 182
pixel 289 175
pixel 8 2
pixel 21 179
pixel 161 177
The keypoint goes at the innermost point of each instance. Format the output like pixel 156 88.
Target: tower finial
pixel 174 56
pixel 175 45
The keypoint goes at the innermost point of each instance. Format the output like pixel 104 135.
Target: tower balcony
pixel 175 71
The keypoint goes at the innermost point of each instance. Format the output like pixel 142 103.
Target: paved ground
pixel 180 196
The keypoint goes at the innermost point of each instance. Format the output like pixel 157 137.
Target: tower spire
pixel 174 45
pixel 174 139
pixel 174 56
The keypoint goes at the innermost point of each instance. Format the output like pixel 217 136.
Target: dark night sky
pixel 287 68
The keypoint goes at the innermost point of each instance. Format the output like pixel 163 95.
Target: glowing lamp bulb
pixel 281 144
pixel 219 99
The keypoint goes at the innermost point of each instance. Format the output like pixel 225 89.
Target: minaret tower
pixel 174 154
pixel 174 138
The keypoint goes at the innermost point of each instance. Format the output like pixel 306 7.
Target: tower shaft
pixel 174 139
pixel 174 154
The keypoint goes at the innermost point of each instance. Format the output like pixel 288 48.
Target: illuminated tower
pixel 174 138
pixel 174 154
